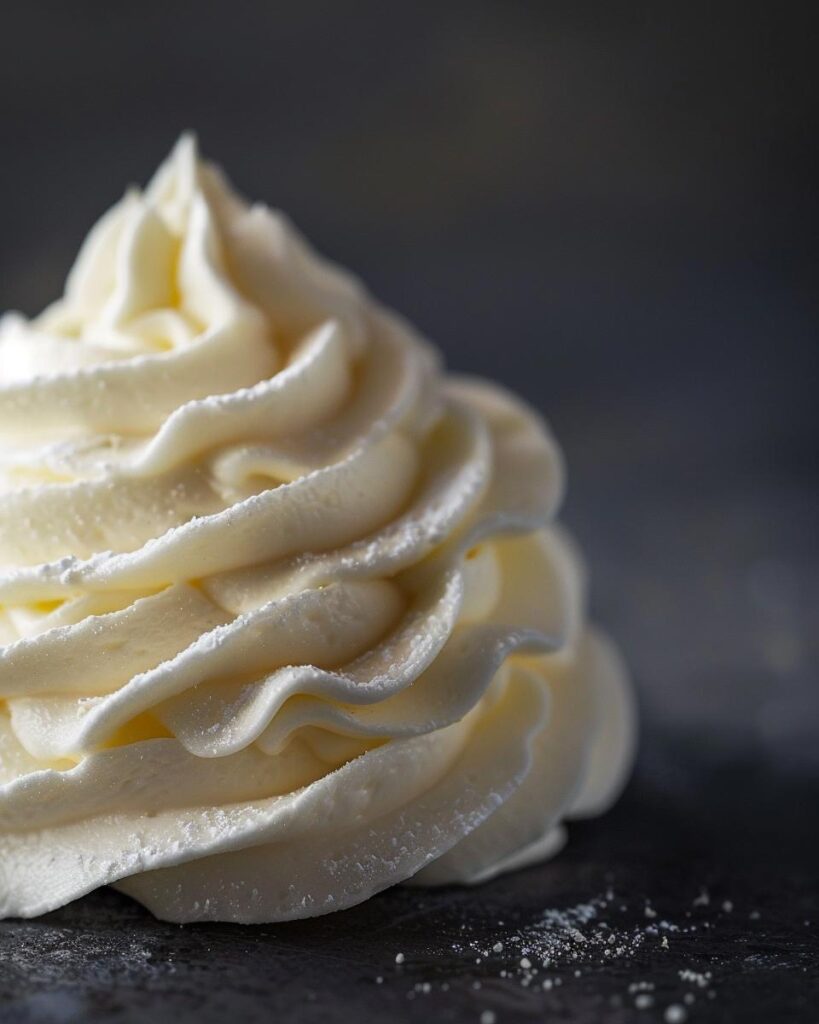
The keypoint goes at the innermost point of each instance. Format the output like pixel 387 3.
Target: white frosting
pixel 283 612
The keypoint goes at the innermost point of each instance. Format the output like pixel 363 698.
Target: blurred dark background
pixel 611 208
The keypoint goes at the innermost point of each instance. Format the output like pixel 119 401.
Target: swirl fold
pixel 285 614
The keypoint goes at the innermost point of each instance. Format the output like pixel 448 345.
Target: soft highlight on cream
pixel 285 617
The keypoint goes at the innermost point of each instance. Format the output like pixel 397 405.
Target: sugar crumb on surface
pixel 589 947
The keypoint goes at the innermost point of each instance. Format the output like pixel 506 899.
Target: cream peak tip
pixel 186 147
pixel 184 159
pixel 177 178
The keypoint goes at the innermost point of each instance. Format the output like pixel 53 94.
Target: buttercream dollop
pixel 285 617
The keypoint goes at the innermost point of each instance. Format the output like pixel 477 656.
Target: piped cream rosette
pixel 284 616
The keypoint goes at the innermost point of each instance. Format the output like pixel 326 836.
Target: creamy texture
pixel 284 615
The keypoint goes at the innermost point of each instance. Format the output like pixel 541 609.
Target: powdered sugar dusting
pixel 615 946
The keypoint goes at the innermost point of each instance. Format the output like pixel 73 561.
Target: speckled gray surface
pixel 747 954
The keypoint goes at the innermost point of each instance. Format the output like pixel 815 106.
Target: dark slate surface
pixel 614 213
pixel 104 959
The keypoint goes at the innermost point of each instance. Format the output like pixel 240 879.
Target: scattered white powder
pixel 695 978
pixel 576 942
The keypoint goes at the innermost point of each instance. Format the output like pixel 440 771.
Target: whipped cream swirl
pixel 284 615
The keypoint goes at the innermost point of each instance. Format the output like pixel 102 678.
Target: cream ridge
pixel 285 615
